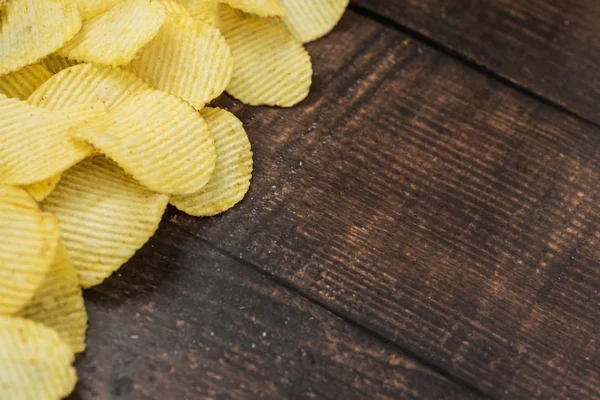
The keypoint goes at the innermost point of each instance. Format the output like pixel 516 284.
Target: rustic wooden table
pixel 424 225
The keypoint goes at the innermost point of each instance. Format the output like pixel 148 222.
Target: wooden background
pixel 424 225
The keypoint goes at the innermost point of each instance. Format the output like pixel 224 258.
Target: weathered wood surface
pixel 451 219
pixel 436 207
pixel 183 321
pixel 549 47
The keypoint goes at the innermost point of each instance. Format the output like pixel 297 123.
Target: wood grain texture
pixel 549 47
pixel 437 207
pixel 183 321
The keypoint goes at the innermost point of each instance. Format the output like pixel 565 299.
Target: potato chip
pixel 2 2
pixel 204 10
pixel 231 178
pixel 42 189
pixel 58 302
pixel 85 84
pixel 34 362
pixel 271 67
pixel 115 37
pixel 263 8
pixel 188 58
pixel 157 138
pixel 104 223
pixel 174 6
pixel 20 84
pixel 35 142
pixel 91 8
pixel 28 239
pixel 55 63
pixel 311 20
pixel 32 29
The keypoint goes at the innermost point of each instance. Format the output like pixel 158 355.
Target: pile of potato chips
pixel 103 124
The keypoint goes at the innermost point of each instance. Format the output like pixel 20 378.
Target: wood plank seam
pixel 470 63
pixel 282 282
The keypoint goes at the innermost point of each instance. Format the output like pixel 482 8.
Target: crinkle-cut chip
pixel 34 362
pixel 2 2
pixel 32 29
pixel 91 8
pixel 35 142
pixel 174 6
pixel 28 239
pixel 115 37
pixel 188 58
pixel 87 84
pixel 271 66
pixel 20 84
pixel 311 20
pixel 204 10
pixel 104 223
pixel 263 8
pixel 158 139
pixel 233 171
pixel 42 189
pixel 58 302
pixel 55 63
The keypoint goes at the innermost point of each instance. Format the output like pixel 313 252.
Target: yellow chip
pixel 58 302
pixel 55 63
pixel 310 20
pixel 104 216
pixel 231 179
pixel 91 8
pixel 115 37
pixel 205 10
pixel 2 4
pixel 42 189
pixel 20 84
pixel 85 84
pixel 271 67
pixel 35 142
pixel 28 239
pixel 188 58
pixel 157 138
pixel 263 8
pixel 174 6
pixel 32 29
pixel 34 362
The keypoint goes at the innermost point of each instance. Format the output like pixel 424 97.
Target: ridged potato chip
pixel 205 10
pixel 35 142
pixel 115 37
pixel 34 362
pixel 2 2
pixel 174 6
pixel 311 20
pixel 32 29
pixel 263 8
pixel 104 223
pixel 91 8
pixel 58 302
pixel 271 66
pixel 188 58
pixel 20 84
pixel 55 63
pixel 157 138
pixel 233 171
pixel 42 189
pixel 85 84
pixel 28 240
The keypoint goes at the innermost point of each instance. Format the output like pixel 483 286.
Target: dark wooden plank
pixel 551 47
pixel 441 209
pixel 183 321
